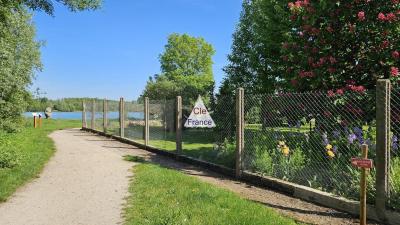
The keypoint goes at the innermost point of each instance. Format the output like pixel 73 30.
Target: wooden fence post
pixel 84 125
pixel 92 126
pixel 382 146
pixel 239 130
pixel 105 111
pixel 121 117
pixel 179 124
pixel 146 121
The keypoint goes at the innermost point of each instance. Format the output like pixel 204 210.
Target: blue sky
pixel 112 52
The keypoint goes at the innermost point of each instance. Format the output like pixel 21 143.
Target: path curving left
pixel 82 184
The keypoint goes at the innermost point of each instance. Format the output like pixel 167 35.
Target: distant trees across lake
pixel 62 105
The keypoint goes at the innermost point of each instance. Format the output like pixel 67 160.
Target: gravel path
pixel 301 211
pixel 86 181
pixel 81 184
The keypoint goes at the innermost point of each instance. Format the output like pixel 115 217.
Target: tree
pixel 186 70
pixel 342 45
pixel 48 5
pixel 20 54
pixel 19 58
pixel 254 62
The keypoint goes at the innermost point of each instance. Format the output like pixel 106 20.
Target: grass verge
pixel 31 148
pixel 164 196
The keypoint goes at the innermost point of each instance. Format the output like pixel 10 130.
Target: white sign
pixel 34 114
pixel 199 116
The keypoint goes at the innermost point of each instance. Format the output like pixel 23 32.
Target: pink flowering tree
pixel 342 46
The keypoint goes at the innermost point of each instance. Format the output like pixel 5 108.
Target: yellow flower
pixel 331 154
pixel 328 147
pixel 282 144
pixel 285 150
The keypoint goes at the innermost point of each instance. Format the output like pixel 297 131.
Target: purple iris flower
pixel 351 138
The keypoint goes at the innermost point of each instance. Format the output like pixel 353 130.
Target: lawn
pixel 31 149
pixel 164 196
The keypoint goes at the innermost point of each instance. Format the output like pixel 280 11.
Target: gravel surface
pixel 87 180
pixel 83 183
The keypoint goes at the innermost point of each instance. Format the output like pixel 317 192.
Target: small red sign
pixel 362 163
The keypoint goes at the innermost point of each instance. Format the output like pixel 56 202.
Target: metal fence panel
pixel 309 138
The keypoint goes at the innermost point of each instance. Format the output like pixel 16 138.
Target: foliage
pixel 341 45
pixel 73 5
pixel 8 155
pixel 186 70
pixel 163 196
pixel 254 62
pixel 19 59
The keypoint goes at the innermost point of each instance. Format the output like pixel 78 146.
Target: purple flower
pixel 351 138
pixel 334 149
pixel 395 144
pixel 336 134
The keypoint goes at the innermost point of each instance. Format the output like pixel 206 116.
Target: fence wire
pixel 134 121
pixel 394 179
pixel 309 138
pixel 113 126
pixel 216 144
pixel 162 124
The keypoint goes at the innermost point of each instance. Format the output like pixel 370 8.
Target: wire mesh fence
pixel 304 138
pixel 134 121
pixel 310 138
pixel 394 179
pixel 112 117
pixel 216 144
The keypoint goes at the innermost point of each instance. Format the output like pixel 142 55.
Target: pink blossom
pixel 395 1
pixel 332 60
pixel 385 44
pixel 394 71
pixel 331 93
pixel 290 5
pixel 294 82
pixel 331 70
pixel 329 29
pixel 395 54
pixel 391 17
pixel 361 16
pixel 340 91
pixel 381 17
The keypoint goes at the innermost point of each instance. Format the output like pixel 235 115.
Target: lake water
pixel 78 115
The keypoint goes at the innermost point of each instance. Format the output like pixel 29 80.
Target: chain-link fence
pixel 310 138
pixel 134 121
pixel 162 124
pixel 112 119
pixel 394 179
pixel 216 144
pixel 305 138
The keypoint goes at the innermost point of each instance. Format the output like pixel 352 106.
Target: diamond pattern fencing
pixel 112 122
pixel 309 138
pixel 216 144
pixel 394 179
pixel 134 121
pixel 162 124
pixel 98 114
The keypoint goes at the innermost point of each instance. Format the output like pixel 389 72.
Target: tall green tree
pixel 19 59
pixel 20 53
pixel 255 58
pixel 186 69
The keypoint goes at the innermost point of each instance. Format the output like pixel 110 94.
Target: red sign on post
pixel 362 163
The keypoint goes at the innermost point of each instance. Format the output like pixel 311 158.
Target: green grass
pixel 33 148
pixel 164 196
